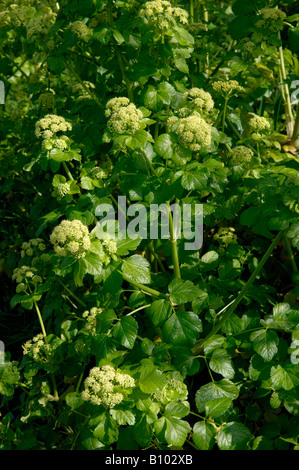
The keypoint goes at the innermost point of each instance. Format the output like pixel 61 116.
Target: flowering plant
pixel 117 336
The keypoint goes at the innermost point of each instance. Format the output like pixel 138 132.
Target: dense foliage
pixel 137 343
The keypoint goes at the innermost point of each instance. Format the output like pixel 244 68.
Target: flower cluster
pixel 175 389
pixel 30 247
pixel 47 100
pixel 227 88
pixel 71 238
pixel 107 386
pixel 226 235
pixel 109 246
pixel 200 99
pixel 63 189
pixel 47 129
pixel 37 348
pixel 102 172
pixel 272 20
pixel 242 156
pixel 91 319
pixel 41 24
pixel 125 118
pixel 194 132
pixel 258 124
pixel 162 15
pixel 26 276
pixel 80 28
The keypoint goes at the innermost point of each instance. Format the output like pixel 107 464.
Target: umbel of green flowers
pixel 125 118
pixel 194 132
pixel 107 386
pixel 162 15
pixel 199 100
pixel 71 238
pixel 47 129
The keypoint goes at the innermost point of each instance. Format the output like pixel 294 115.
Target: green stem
pixel 128 83
pixel 173 246
pixel 290 252
pixel 67 171
pixel 191 11
pixel 295 136
pixel 286 94
pixel 40 319
pixel 224 114
pixel 93 96
pixel 149 163
pixel 71 293
pixel 199 346
pixel 146 289
pixel 45 337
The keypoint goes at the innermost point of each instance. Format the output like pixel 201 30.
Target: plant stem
pixel 199 346
pixel 40 319
pixel 146 289
pixel 72 294
pixel 93 96
pixel 224 114
pixel 67 171
pixel 286 94
pixel 149 163
pixel 128 83
pixel 45 337
pixel 173 246
pixel 290 252
pixel 295 136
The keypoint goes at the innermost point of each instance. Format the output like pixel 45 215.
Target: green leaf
pixel 89 442
pixel 222 389
pixel 164 146
pixel 125 331
pixel 126 245
pixel 106 430
pixel 209 261
pixel 151 379
pixel 265 342
pixel 203 435
pixel 172 430
pixel 177 409
pixel 136 268
pixel 138 140
pixel 194 177
pixel 73 400
pixel 123 417
pixel 143 432
pixel 221 363
pixel 233 436
pixel 239 27
pixel 93 264
pixel 159 311
pixel 285 376
pixel 217 407
pixel 182 328
pixel 182 291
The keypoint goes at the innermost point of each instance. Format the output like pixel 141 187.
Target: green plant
pixel 122 342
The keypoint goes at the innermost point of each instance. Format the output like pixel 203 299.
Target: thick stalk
pixel 71 293
pixel 290 252
pixel 173 246
pixel 146 289
pixel 128 83
pixel 197 349
pixel 286 95
pixel 45 337
pixel 224 114
pixel 67 171
pixel 295 136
